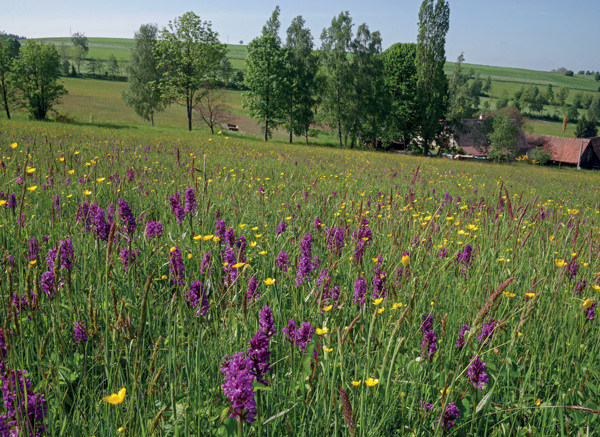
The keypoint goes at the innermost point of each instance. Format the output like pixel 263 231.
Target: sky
pixel 533 34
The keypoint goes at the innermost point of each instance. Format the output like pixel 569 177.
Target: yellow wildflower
pixel 116 399
pixel 269 281
pixel 356 383
pixel 371 382
pixel 588 303
pixel 559 262
pixel 327 308
pixel 321 331
pixel 378 301
pixel 405 260
pixel 32 189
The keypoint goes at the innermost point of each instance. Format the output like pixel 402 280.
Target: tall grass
pixel 542 360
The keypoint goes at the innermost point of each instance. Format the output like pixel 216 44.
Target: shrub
pixel 540 155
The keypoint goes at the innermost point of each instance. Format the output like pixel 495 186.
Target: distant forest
pixel 10 35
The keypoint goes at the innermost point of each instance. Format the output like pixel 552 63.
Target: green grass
pixel 525 77
pixel 145 337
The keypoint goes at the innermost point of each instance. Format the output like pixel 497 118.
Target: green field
pixel 384 258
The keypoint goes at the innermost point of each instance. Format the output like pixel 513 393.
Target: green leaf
pixel 259 386
pixel 483 402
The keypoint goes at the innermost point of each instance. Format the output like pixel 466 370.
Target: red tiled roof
pixel 565 150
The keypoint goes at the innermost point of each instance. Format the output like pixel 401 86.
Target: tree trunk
pixel 306 135
pixel 5 98
pixel 339 117
pixel 266 130
pixel 188 102
pixel 291 121
pixel 152 118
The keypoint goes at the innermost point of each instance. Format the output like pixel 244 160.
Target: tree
pixel 144 93
pixel 189 53
pixel 503 139
pixel 112 65
pixel 461 101
pixel 80 40
pixel 336 42
pixel 213 108
pixel 8 53
pixel 562 94
pixel 572 114
pixel 400 76
pixel 35 76
pixel 301 64
pixel 432 84
pixel 569 73
pixel 265 77
pixel 597 76
pixel 594 108
pixel 369 103
pixel 78 56
pixel 550 94
pixel 225 71
pixel 93 65
pixel 586 128
pixel 487 86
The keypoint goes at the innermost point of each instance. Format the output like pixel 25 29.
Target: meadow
pixel 160 282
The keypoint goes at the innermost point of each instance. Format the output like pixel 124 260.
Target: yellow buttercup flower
pixel 262 252
pixel 371 382
pixel 380 310
pixel 595 287
pixel 327 308
pixel 328 349
pixel 356 383
pixel 588 303
pixel 269 281
pixel 190 256
pixel 197 237
pixel 216 239
pixel 116 399
pixel 87 192
pixel 397 306
pixel 100 179
pixel 529 294
pixel 207 237
pixel 551 238
pixel 509 294
pixel 238 265
pixel 253 244
pixel 2 202
pixel 321 331
pixel 32 189
pixel 71 171
pixel 30 170
pixel 378 301
pixel 538 402
pixel 173 249
pixel 559 262
pixel 405 260
pixel 13 146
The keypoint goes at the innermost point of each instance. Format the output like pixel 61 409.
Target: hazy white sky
pixel 536 34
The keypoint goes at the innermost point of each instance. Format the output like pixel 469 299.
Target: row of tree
pixel 363 94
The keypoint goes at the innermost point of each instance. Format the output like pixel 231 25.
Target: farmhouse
pixel 472 135
pixel 575 152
